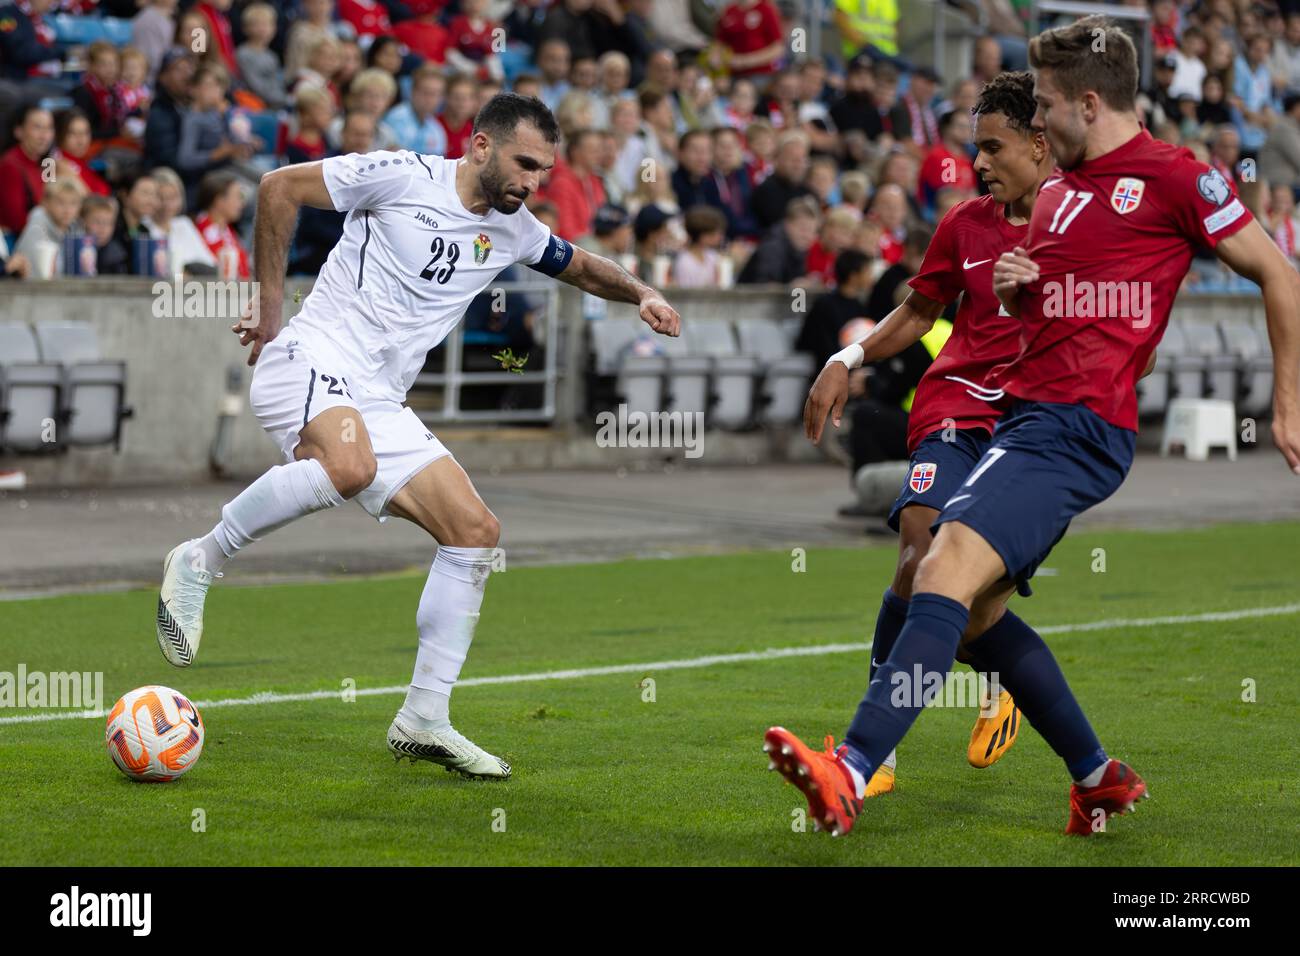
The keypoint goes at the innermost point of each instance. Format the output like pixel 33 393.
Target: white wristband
pixel 851 356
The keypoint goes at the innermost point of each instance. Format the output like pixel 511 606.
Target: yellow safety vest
pixel 934 341
pixel 877 20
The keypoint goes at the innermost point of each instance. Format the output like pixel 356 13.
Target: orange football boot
pixel 993 736
pixel 823 778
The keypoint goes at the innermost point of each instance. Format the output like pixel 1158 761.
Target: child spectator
pixel 99 221
pixel 697 266
pixel 739 112
pixel 49 223
pixel 258 63
pixel 416 124
pixel 315 22
pixel 321 70
pixel 372 93
pixel 760 141
pixel 221 203
pixel 72 136
pixel 457 116
pixel 836 236
pixel 206 143
pixel 315 112
pixel 185 247
pixel 134 91
pixel 97 96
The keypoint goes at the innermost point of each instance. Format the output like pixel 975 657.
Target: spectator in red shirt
pixel 370 18
pixel 214 12
pixel 835 236
pixel 575 189
pixel 315 111
pixel 753 41
pixel 72 134
pixel 889 211
pixel 221 202
pixel 947 165
pixel 457 116
pixel 21 183
pixel 472 36
pixel 424 35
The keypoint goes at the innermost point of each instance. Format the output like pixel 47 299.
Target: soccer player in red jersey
pixel 951 419
pixel 1109 243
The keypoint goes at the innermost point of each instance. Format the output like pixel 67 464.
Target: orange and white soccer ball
pixel 154 734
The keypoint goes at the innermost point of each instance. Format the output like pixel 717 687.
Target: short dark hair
pixel 918 239
pixel 212 187
pixel 64 119
pixel 1012 95
pixel 691 134
pixel 849 262
pixel 501 116
pixel 702 220
pixel 1077 66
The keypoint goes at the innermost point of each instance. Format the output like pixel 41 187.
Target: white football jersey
pixel 411 260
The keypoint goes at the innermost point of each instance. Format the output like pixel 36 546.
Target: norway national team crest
pixel 922 476
pixel 482 246
pixel 1126 195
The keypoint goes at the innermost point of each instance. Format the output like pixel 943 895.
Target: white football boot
pixel 446 748
pixel 180 607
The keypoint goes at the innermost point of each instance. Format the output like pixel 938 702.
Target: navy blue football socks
pixel 925 647
pixel 1024 665
pixel 889 624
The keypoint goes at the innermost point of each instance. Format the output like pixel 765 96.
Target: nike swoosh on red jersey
pixel 967 264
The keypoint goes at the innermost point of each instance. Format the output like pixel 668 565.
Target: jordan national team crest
pixel 1126 195
pixel 922 476
pixel 482 246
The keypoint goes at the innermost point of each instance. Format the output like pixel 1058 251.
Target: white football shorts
pixel 293 382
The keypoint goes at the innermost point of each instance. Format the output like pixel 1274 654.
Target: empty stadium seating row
pixel 54 385
pixel 739 374
pixel 744 373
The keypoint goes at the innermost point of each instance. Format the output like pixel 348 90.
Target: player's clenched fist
pixel 828 395
pixel 259 324
pixel 660 316
pixel 1013 270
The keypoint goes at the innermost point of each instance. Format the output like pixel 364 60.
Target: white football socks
pixel 447 616
pixel 1094 778
pixel 283 494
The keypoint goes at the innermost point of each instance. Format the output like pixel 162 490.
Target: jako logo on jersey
pixel 922 476
pixel 482 248
pixel 1127 195
pixel 430 222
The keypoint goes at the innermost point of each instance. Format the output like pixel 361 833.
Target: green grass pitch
pixel 603 776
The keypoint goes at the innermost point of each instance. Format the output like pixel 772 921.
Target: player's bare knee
pixel 351 474
pixel 482 530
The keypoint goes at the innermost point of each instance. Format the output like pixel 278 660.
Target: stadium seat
pixel 1203 339
pixel 786 374
pixel 734 375
pixel 1245 340
pixel 93 393
pixel 30 391
pixel 1187 368
pixel 1153 390
pixel 83 31
pixel 640 383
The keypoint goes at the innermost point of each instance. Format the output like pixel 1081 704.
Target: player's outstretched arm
pixel 895 332
pixel 1251 253
pixel 609 280
pixel 281 193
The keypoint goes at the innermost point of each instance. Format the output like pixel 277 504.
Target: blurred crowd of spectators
pixel 696 147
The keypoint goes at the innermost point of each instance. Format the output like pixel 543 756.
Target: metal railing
pixel 453 379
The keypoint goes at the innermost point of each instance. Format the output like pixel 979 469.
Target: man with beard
pixel 424 236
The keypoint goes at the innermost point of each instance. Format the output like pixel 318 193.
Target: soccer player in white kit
pixel 423 236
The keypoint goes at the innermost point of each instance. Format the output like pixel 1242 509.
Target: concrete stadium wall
pixel 177 367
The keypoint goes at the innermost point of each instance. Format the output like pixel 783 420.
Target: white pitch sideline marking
pixel 775 653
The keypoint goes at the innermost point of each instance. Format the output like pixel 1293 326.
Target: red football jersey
pixel 1113 239
pixel 959 261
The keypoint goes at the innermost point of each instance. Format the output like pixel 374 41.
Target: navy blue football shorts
pixel 938 468
pixel 1047 464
